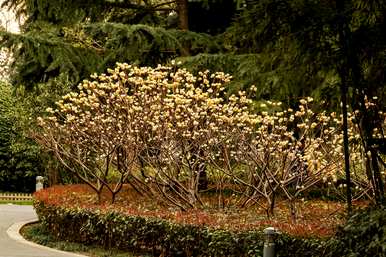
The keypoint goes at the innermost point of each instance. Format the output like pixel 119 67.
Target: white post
pixel 269 242
pixel 39 183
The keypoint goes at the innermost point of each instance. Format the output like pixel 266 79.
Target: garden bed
pixel 316 218
pixel 134 223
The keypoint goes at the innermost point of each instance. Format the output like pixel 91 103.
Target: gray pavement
pixel 12 218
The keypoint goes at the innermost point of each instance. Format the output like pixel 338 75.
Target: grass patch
pixel 37 233
pixel 17 202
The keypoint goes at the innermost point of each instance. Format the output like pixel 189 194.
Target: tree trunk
pixel 202 178
pixel 344 73
pixel 183 23
pixel 350 70
pixel 183 18
pixel 272 204
pixel 292 206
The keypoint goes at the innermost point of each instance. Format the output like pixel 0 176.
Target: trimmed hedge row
pixel 161 237
pixel 363 235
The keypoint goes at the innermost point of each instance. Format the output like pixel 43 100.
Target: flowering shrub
pixel 167 132
pixel 290 151
pixel 151 126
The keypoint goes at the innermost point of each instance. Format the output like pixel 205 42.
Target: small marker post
pixel 39 183
pixel 270 234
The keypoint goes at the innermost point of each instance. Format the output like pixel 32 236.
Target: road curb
pixel 14 233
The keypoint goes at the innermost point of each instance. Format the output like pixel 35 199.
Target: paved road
pixel 16 246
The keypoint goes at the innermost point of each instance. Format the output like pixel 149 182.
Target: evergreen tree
pixel 69 40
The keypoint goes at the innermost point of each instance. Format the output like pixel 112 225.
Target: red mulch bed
pixel 316 218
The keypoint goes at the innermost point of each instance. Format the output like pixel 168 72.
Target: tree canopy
pixel 285 48
pixel 19 157
pixel 259 42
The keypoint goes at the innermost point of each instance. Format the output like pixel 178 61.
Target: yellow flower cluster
pixel 172 122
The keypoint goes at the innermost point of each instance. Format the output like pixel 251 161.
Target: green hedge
pixel 162 237
pixel 363 235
